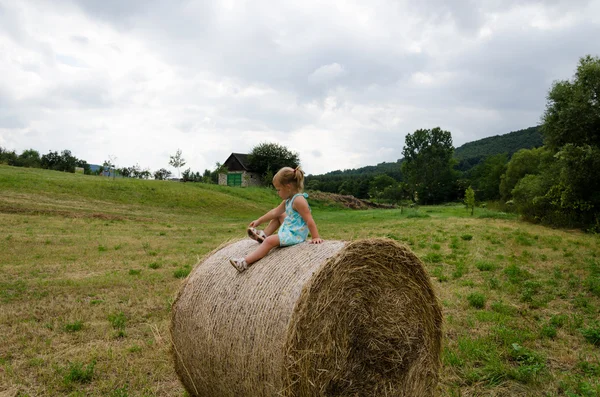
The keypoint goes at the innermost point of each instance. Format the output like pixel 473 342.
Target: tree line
pixel 63 161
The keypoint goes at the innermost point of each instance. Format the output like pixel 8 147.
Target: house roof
pixel 237 162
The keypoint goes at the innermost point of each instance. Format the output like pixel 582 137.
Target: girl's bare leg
pixel 274 225
pixel 263 249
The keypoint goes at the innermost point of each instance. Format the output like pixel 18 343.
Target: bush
pixel 592 334
pixel 477 300
pixel 77 373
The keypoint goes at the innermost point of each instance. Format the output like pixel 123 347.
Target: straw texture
pixel 334 319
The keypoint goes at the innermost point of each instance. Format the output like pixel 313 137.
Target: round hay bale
pixel 334 319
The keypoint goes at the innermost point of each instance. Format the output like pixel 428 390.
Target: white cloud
pixel 326 73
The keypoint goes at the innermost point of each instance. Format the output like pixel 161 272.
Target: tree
pixel 162 174
pixel 524 162
pixel 267 158
pixel 51 161
pixel 571 129
pixel 68 162
pixel 177 161
pixel 470 199
pixel 486 176
pixel 8 157
pixel 572 112
pixel 427 165
pixel 30 158
pixel 379 184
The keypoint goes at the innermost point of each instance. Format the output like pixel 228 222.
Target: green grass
pixel 89 267
pixel 78 373
pixel 74 326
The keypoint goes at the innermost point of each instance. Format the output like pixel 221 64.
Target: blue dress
pixel 294 229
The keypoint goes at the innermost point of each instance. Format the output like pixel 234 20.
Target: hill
pixel 356 181
pixel 472 153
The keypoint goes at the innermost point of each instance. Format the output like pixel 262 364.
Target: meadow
pixel 89 267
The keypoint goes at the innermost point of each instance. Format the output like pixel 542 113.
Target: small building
pixel 238 173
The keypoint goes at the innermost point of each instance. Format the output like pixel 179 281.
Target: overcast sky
pixel 340 82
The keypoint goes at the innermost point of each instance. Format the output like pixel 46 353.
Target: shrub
pixel 77 373
pixel 154 265
pixel 182 272
pixel 548 331
pixel 476 300
pixel 485 266
pixel 118 320
pixel 592 334
pixel 74 327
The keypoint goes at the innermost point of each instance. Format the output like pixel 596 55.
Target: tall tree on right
pixel 571 128
pixel 428 165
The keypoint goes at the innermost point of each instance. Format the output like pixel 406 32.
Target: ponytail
pixel 295 176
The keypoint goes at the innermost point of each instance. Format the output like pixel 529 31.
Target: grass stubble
pixel 86 286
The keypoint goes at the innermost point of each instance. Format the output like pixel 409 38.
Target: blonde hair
pixel 288 175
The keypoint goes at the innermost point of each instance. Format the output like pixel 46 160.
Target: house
pixel 238 173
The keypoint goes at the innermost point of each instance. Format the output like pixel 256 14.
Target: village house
pixel 238 173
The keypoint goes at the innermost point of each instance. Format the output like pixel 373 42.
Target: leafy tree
pixel 126 172
pixel 379 184
pixel 162 174
pixel 51 161
pixel 427 166
pixel 8 157
pixel 572 131
pixel 144 174
pixel 558 184
pixel 470 199
pixel 573 109
pixel 30 158
pixel 486 176
pixel 67 161
pixel 524 162
pixel 395 193
pixel 177 161
pixel 267 158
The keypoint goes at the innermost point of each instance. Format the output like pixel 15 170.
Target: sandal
pixel 256 234
pixel 239 264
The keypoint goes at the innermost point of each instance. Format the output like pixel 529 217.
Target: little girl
pixel 293 215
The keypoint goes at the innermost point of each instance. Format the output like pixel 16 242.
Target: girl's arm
pixel 274 213
pixel 301 205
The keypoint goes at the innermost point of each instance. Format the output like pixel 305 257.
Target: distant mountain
pixel 472 153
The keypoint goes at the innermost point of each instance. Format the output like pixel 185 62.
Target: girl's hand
pixel 254 223
pixel 316 240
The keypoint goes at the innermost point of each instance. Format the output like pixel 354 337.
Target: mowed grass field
pixel 89 267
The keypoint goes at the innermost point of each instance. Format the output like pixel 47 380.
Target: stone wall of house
pixel 248 179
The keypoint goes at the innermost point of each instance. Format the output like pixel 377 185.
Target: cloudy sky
pixel 339 81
